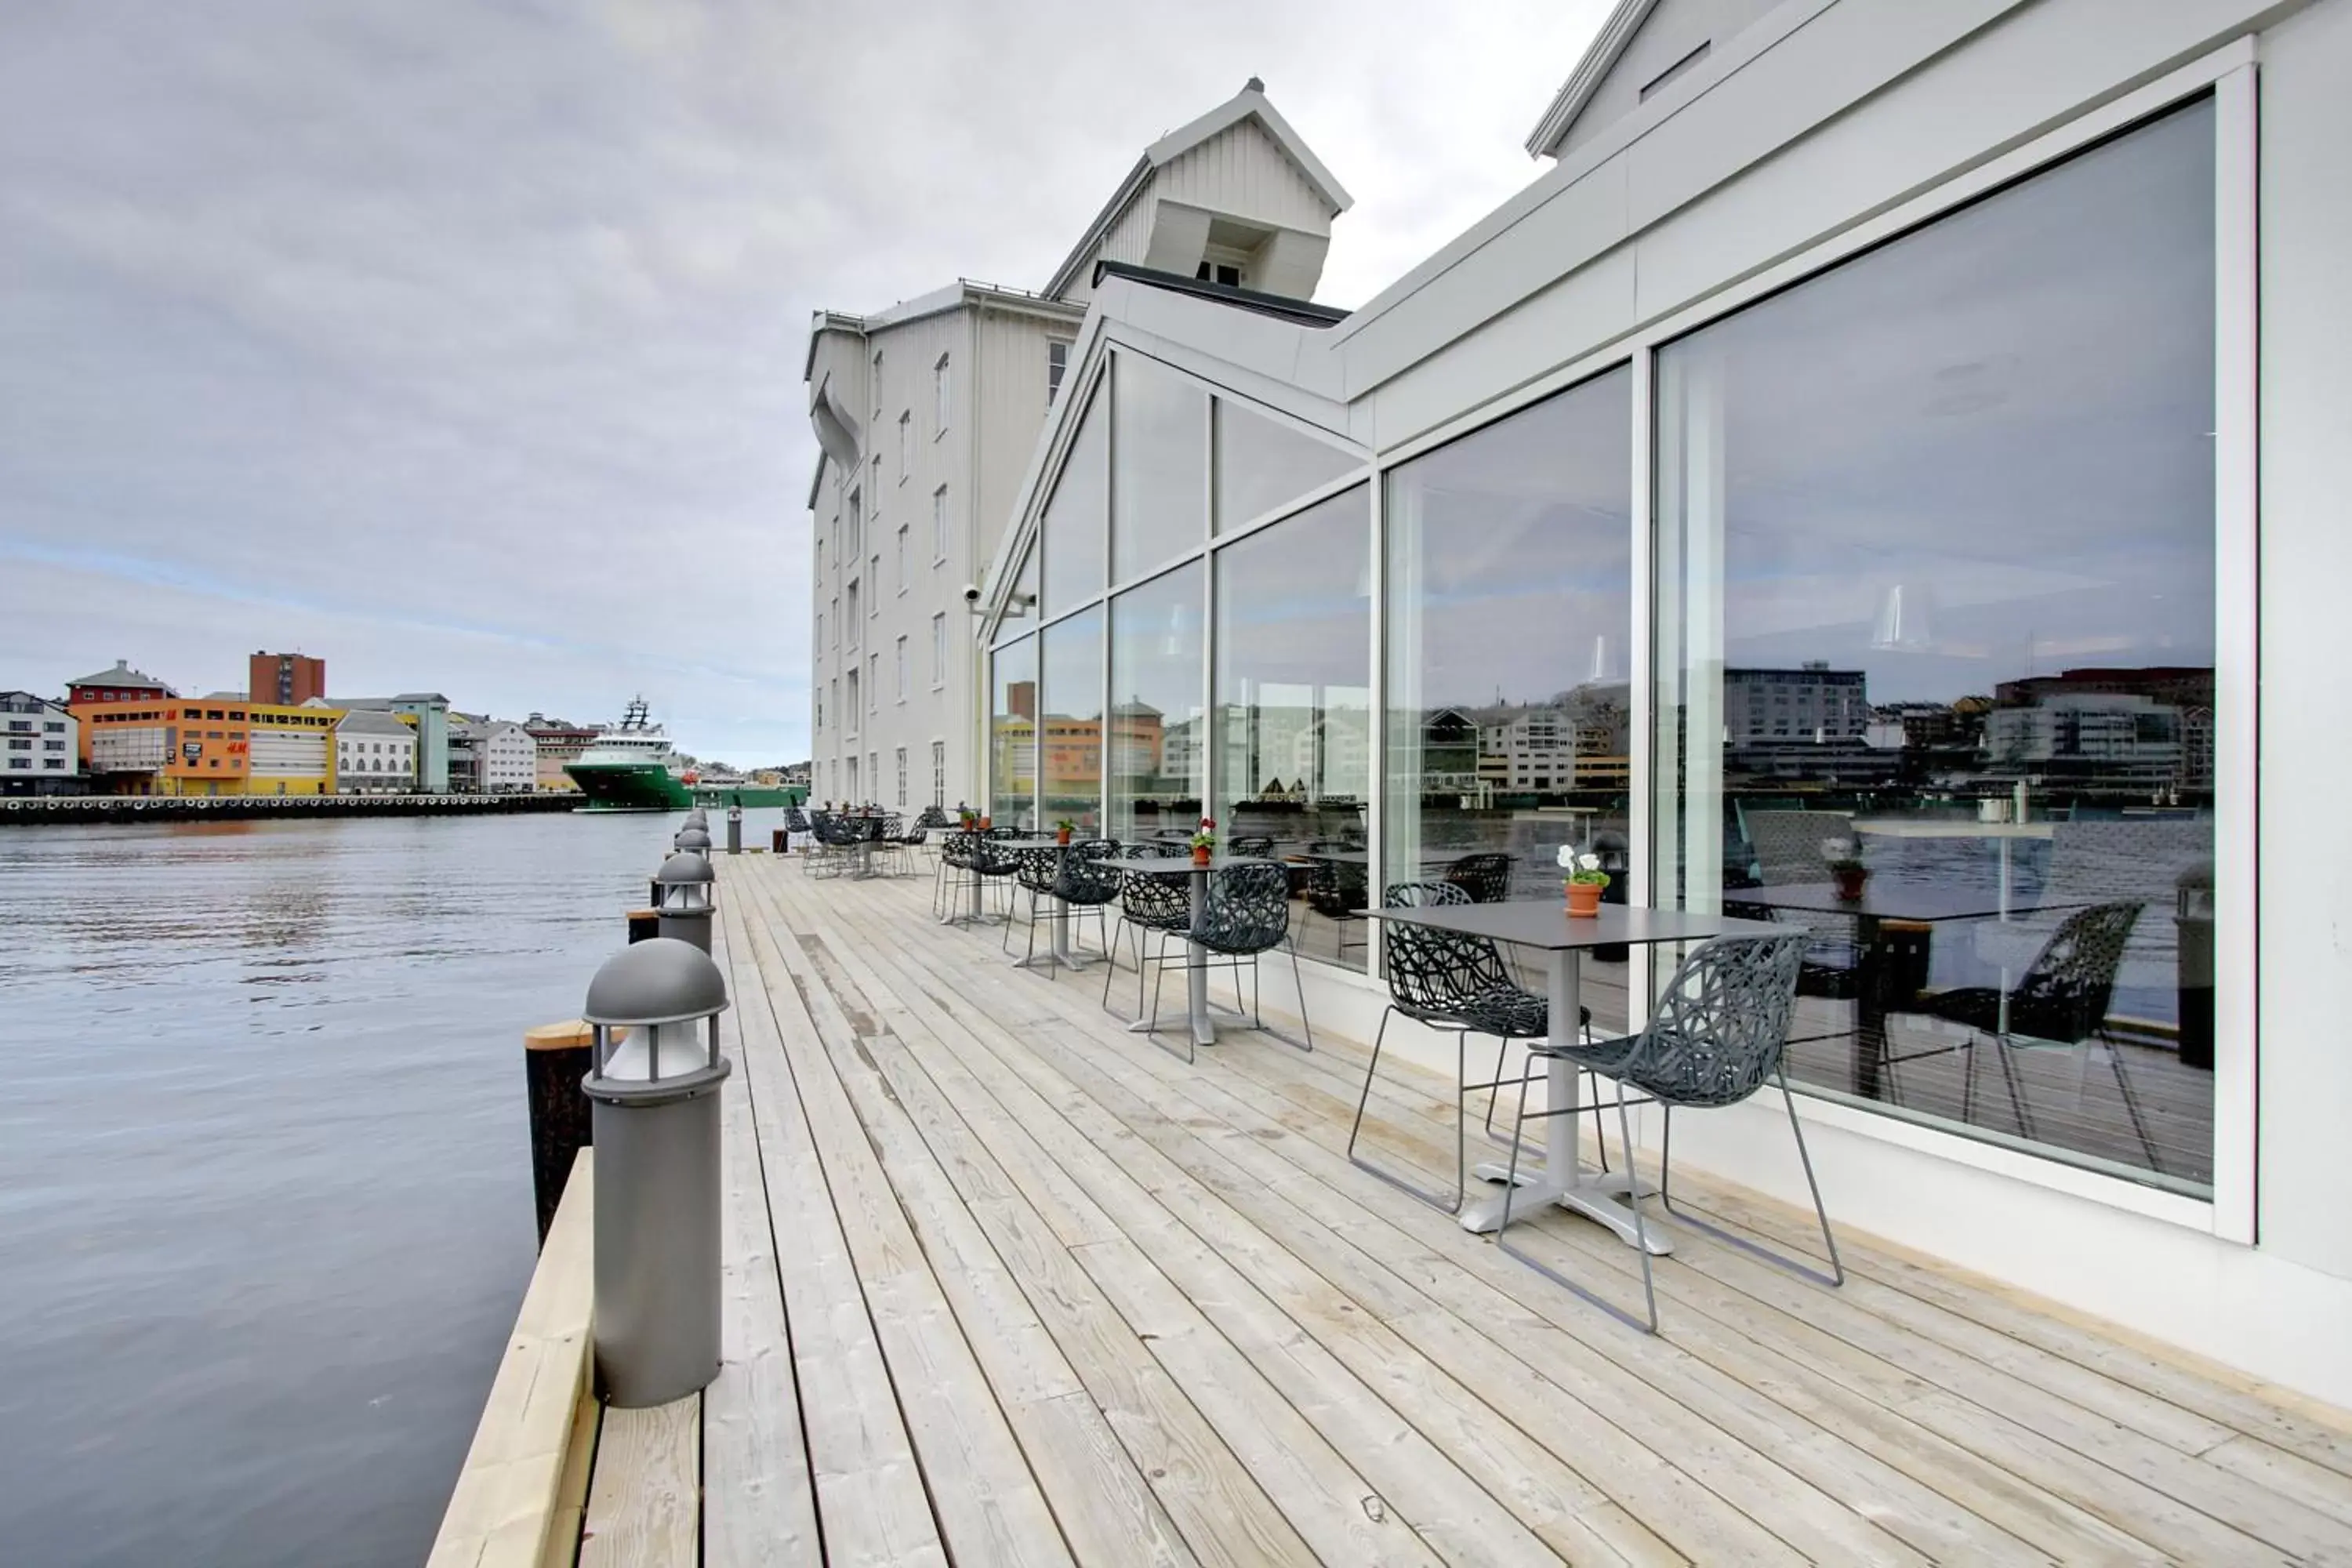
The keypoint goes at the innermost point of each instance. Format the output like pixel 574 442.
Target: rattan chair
pixel 1714 1038
pixel 1083 883
pixel 1033 871
pixel 1149 904
pixel 1451 980
pixel 1246 912
pixel 1485 877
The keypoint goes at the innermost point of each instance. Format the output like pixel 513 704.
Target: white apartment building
pixel 927 414
pixel 375 754
pixel 38 754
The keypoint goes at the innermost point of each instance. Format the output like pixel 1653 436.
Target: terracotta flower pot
pixel 983 824
pixel 1584 900
pixel 1062 836
pixel 1200 854
pixel 1849 882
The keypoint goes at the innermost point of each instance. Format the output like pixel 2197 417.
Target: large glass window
pixel 1159 484
pixel 1013 735
pixel 1293 708
pixel 1075 529
pixel 1509 591
pixel 1936 601
pixel 1157 729
pixel 1262 464
pixel 1070 721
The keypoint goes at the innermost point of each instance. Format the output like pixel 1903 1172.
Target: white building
pixel 375 754
pixel 1825 308
pixel 41 754
pixel 928 412
pixel 509 758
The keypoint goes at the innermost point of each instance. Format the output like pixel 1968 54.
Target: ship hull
pixel 629 786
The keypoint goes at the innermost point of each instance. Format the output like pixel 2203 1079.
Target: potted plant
pixel 1585 880
pixel 1062 831
pixel 1846 868
pixel 1204 841
pixel 984 821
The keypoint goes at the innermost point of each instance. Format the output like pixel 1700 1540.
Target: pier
pixel 33 811
pixel 1007 1284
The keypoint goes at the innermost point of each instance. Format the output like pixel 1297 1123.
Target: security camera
pixel 971 592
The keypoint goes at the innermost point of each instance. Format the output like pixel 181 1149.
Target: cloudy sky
pixel 460 342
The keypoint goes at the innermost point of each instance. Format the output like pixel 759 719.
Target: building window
pixel 836 620
pixel 940 386
pixel 1159 501
pixel 820 629
pixel 819 694
pixel 939 650
pixel 855 620
pixel 856 523
pixel 878 386
pixel 1057 364
pixel 854 708
pixel 940 525
pixel 1013 734
pixel 902 669
pixel 902 778
pixel 902 558
pixel 1158 727
pixel 1958 492
pixel 940 774
pixel 905 446
pixel 873 682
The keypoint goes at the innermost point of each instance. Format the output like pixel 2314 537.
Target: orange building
pixel 167 745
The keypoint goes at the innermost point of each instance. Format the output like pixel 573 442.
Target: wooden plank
pixel 759 1495
pixel 508 1492
pixel 644 1500
pixel 562 1546
pixel 871 1501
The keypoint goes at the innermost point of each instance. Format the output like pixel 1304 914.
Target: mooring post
pixel 643 923
pixel 555 1058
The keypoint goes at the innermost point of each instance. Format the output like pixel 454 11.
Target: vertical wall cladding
pixel 1241 170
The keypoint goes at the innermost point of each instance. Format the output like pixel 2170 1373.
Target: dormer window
pixel 1223 272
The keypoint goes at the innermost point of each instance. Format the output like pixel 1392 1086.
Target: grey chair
pixel 1714 1038
pixel 1484 876
pixel 1450 980
pixel 1149 905
pixel 1247 912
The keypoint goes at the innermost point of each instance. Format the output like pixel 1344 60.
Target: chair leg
pixel 1835 1277
pixel 1641 1231
pixel 2016 1097
pixel 1299 980
pixel 2131 1101
pixel 1461 1159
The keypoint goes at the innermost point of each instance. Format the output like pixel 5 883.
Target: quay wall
pixel 28 811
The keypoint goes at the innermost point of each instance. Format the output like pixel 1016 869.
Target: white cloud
pixel 462 344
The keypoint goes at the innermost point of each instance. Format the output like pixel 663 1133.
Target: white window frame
pixel 943 396
pixel 940 774
pixel 1057 368
pixel 906 447
pixel 901 647
pixel 902 558
pixel 902 777
pixel 940 526
pixel 939 651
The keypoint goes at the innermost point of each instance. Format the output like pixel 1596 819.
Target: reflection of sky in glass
pixel 1156 643
pixel 1511 553
pixel 1074 525
pixel 1262 464
pixel 1293 601
pixel 1160 493
pixel 2007 416
pixel 1073 673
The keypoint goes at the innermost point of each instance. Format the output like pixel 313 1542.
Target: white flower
pixel 1568 857
pixel 1837 848
pixel 1588 862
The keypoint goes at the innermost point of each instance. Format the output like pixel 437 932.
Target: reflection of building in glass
pixel 1325 750
pixel 2116 741
pixel 1449 753
pixel 1135 741
pixel 1526 749
pixel 1813 702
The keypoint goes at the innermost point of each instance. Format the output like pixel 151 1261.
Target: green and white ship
pixel 630 767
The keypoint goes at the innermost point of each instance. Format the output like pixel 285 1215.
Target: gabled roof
pixel 1607 48
pixel 371 721
pixel 1250 103
pixel 122 675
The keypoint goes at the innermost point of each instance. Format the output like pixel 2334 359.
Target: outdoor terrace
pixel 1007 1284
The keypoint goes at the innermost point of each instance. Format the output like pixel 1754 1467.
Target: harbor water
pixel 265 1180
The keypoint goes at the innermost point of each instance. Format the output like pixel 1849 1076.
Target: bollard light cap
pixel 691 838
pixel 659 981
pixel 683 867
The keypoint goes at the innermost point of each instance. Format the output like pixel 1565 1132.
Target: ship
pixel 630 767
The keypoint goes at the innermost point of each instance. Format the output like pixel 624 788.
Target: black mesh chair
pixel 1246 912
pixel 1033 871
pixel 996 866
pixel 1451 980
pixel 1149 904
pixel 1253 845
pixel 1083 883
pixel 1714 1038
pixel 955 872
pixel 2062 1001
pixel 836 844
pixel 1336 889
pixel 1485 877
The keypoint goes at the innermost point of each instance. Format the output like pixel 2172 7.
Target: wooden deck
pixel 1008 1285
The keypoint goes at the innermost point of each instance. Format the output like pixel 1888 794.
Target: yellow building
pixel 292 748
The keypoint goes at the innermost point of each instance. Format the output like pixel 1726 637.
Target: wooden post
pixel 643 923
pixel 555 1057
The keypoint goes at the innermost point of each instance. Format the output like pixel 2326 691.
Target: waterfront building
pixel 167 745
pixel 560 744
pixel 927 414
pixel 291 747
pixel 1848 350
pixel 426 714
pixel 508 757
pixel 288 680
pixel 42 753
pixel 119 684
pixel 375 754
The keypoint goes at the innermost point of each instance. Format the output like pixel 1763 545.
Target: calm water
pixel 265 1187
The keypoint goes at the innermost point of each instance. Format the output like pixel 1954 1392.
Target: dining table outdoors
pixel 1197 1014
pixel 1059 950
pixel 1545 925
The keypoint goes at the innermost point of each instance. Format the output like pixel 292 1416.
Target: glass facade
pixel 1159 743
pixel 1900 629
pixel 1501 749
pixel 1935 612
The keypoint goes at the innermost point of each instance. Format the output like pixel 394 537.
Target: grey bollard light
pixel 686 897
pixel 693 841
pixel 697 818
pixel 734 830
pixel 653 1105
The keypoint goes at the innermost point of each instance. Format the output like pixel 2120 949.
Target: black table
pixel 1545 924
pixel 1882 901
pixel 1196 958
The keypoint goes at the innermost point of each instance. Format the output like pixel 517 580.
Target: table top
pixel 1364 857
pixel 1168 866
pixel 1040 841
pixel 1881 900
pixel 1544 923
pixel 1949 828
